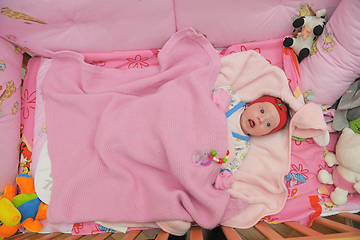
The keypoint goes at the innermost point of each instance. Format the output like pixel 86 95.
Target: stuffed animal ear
pixel 321 13
pixel 322 140
pixel 26 183
pixel 347 131
pixel 9 192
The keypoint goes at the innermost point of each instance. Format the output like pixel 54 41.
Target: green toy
pixel 355 125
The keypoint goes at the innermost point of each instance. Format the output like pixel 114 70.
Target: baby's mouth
pixel 251 123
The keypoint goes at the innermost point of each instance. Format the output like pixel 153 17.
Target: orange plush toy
pixel 25 209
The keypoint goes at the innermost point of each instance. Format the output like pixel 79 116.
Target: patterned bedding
pixel 337 57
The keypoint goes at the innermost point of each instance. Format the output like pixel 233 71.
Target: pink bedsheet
pixel 303 204
pixel 125 139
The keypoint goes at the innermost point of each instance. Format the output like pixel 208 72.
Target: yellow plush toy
pixel 9 215
pixel 25 209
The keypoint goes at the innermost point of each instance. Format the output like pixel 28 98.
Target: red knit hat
pixel 280 107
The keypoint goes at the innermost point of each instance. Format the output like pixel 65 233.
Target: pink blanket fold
pixel 260 178
pixel 121 142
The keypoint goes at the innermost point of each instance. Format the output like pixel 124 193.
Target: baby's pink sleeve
pixel 222 99
pixel 224 180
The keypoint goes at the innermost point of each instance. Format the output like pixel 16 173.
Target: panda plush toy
pixel 311 28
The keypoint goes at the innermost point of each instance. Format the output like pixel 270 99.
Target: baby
pixel 262 116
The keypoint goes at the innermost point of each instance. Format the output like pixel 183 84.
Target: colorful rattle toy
pixel 205 159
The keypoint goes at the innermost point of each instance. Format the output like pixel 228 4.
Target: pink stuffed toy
pixel 346 175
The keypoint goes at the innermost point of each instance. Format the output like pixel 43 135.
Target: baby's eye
pixel 268 124
pixel 262 110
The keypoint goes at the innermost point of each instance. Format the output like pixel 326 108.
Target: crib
pixel 61 64
pixel 329 229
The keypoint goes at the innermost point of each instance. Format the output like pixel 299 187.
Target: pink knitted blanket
pixel 121 143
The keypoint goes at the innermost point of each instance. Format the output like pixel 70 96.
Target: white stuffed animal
pixel 312 27
pixel 345 176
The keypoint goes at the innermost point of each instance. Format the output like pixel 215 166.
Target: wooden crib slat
pixel 267 231
pixel 132 235
pixel 302 229
pixel 49 236
pixel 162 235
pixel 102 236
pixel 22 236
pixel 350 216
pixel 338 236
pixel 196 233
pixel 74 237
pixel 342 236
pixel 230 233
pixel 336 225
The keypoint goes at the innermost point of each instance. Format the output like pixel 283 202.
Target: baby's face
pixel 259 119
